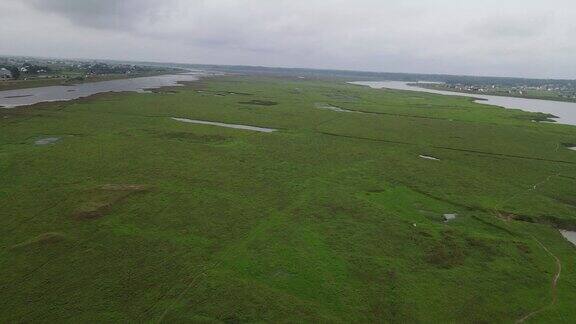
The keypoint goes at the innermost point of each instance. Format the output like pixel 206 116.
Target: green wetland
pixel 363 205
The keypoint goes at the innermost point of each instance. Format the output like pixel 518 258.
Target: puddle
pixel 569 235
pixel 245 127
pixel 426 157
pixel 333 108
pixel 449 217
pixel 47 141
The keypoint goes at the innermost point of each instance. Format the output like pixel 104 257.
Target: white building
pixel 5 74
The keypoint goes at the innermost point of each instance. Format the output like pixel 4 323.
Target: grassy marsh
pixel 132 216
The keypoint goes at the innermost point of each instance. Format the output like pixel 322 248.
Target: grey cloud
pixel 512 26
pixel 513 37
pixel 104 14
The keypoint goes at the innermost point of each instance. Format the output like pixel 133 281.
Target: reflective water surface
pixel 23 97
pixel 565 111
pixel 47 141
pixel 569 235
pixel 427 157
pixel 246 127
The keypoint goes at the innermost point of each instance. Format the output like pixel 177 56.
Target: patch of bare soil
pixel 101 201
pixel 94 210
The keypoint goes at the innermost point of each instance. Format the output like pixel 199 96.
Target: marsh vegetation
pixel 336 217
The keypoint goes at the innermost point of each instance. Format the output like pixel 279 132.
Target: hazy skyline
pixel 500 38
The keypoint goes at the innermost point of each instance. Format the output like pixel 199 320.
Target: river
pixel 564 111
pixel 24 97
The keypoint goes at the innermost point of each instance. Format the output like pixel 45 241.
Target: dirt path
pixel 554 284
pixel 556 277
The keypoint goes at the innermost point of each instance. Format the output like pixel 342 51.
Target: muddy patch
pixel 236 126
pixel 41 240
pixel 259 102
pixel 19 96
pixel 428 157
pixel 569 235
pixel 218 93
pixel 446 253
pixel 164 92
pixel 47 141
pixel 93 210
pixel 99 202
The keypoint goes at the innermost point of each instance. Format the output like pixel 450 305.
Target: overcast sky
pixel 484 37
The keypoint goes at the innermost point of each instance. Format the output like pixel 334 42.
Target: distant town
pixel 548 89
pixel 561 90
pixel 22 72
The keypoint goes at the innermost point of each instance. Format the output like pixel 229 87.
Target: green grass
pixel 133 216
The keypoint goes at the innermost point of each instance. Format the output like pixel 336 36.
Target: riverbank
pixel 527 95
pixel 546 110
pixel 46 82
pixel 25 97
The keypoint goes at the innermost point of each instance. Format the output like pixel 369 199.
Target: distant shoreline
pixel 47 82
pixel 542 110
pixel 434 86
